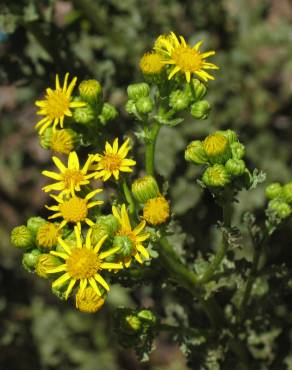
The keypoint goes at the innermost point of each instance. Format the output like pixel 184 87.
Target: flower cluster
pixel 222 154
pixel 280 199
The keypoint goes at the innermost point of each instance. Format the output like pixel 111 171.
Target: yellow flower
pixel 88 301
pixel 57 104
pixel 151 63
pixel 113 160
pixel 71 177
pixel 74 209
pixel 156 211
pixel 136 235
pixel 83 264
pixel 184 58
pixel 62 141
pixel 47 235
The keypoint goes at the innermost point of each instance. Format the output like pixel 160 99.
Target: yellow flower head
pixel 74 210
pixel 136 235
pixel 57 104
pixel 83 263
pixel 156 211
pixel 184 58
pixel 88 301
pixel 62 141
pixel 71 177
pixel 151 63
pixel 47 235
pixel 113 160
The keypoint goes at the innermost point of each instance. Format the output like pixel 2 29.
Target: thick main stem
pixel 150 149
pixel 227 211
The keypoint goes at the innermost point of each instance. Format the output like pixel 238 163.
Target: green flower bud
pixel 46 138
pixel 200 109
pixel 144 105
pixel 125 244
pixel 287 192
pixel 105 225
pixel 133 323
pixel 196 89
pixel 145 188
pixel 217 149
pixel 84 115
pixel 216 176
pixel 45 262
pixel 130 106
pixel 237 150
pixel 281 208
pixel 274 190
pixel 108 113
pixel 30 259
pixel 136 91
pixel 34 223
pixel 90 91
pixel 195 153
pixel 235 167
pixel 229 134
pixel 21 237
pixel 179 100
pixel 147 315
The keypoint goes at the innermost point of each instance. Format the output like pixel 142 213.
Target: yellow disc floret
pixel 217 148
pixel 88 300
pixel 156 211
pixel 62 141
pixel 74 209
pixel 113 161
pixel 151 63
pixel 47 235
pixel 83 263
pixel 56 105
pixel 186 59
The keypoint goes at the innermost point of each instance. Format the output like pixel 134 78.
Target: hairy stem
pixel 209 273
pixel 150 148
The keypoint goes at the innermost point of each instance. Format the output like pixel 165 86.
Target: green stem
pixel 258 248
pixel 150 148
pixel 128 196
pixel 209 273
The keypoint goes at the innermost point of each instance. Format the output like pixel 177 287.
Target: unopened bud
pixel 46 138
pixel 30 259
pixel 179 100
pixel 108 113
pixel 216 176
pixel 22 237
pixel 200 109
pixel 281 208
pixel 237 150
pixel 195 153
pixel 125 245
pixel 88 301
pixel 46 262
pixel 84 115
pixel 229 134
pixel 217 149
pixel 145 188
pixel 34 223
pixel 235 167
pixel 136 91
pixel 287 192
pixel 144 105
pixel 274 190
pixel 90 91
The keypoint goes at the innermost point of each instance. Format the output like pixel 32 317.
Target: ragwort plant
pixel 91 240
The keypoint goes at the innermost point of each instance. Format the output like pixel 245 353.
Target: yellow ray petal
pixel 101 281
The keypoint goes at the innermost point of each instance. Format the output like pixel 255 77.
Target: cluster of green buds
pixel 222 154
pixel 156 210
pixel 135 328
pixel 35 240
pixel 139 101
pixel 280 199
pixel 90 117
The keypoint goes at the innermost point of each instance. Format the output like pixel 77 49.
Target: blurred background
pixel 105 40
